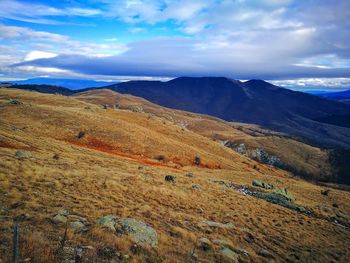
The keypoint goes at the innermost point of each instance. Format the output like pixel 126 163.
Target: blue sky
pixel 297 44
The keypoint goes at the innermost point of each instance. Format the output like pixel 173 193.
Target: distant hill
pixel 40 88
pixel 254 101
pixel 73 84
pixel 341 96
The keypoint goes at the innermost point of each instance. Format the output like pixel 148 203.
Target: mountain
pixel 253 101
pixel 341 96
pixel 73 84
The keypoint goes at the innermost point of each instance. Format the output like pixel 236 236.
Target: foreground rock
pixel 140 232
pixel 229 254
pixel 75 222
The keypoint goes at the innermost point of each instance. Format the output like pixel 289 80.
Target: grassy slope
pixel 48 125
pixel 304 157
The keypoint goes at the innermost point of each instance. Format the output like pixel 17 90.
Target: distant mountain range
pixel 319 120
pixel 341 96
pixel 73 84
pixel 315 119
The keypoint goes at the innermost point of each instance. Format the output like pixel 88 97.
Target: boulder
pixel 170 178
pixel 77 226
pixel 229 254
pixel 204 244
pixel 59 219
pixel 264 185
pixel 20 154
pixel 140 232
pixel 108 221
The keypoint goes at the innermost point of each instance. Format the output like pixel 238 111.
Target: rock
pixel 14 102
pixel 59 219
pixel 107 253
pixel 273 198
pixel 325 192
pixel 341 215
pixel 63 212
pixel 285 193
pixel 196 187
pixel 20 154
pixel 216 224
pixel 78 219
pixel 77 226
pixel 140 232
pixel 263 184
pixel 189 174
pixel 170 178
pixel 108 221
pixel 229 254
pixel 204 244
pixel 301 209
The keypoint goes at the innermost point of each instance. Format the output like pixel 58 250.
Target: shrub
pixel 197 160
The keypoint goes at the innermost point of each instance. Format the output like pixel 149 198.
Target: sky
pixel 303 45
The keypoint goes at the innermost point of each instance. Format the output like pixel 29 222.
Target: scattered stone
pixel 196 187
pixel 107 253
pixel 108 221
pixel 59 219
pixel 263 184
pixel 14 102
pixel 63 212
pixel 140 232
pixel 20 154
pixel 189 174
pixel 301 209
pixel 325 208
pixel 341 215
pixel 274 198
pixel 77 226
pixel 325 192
pixel 230 254
pixel 216 224
pixel 56 156
pixel 81 134
pixel 170 178
pixel 204 244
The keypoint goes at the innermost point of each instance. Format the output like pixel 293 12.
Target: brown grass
pixel 41 185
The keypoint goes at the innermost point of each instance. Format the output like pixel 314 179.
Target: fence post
pixel 16 244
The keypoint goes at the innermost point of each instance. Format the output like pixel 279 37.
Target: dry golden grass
pixel 117 150
pixel 301 156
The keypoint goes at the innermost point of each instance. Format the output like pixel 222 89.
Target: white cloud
pixel 32 55
pixel 40 13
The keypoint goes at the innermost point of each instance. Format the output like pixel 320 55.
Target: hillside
pixel 304 158
pixel 73 84
pixel 65 159
pixel 42 88
pixel 254 101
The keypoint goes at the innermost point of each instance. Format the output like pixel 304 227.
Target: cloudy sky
pixel 297 44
